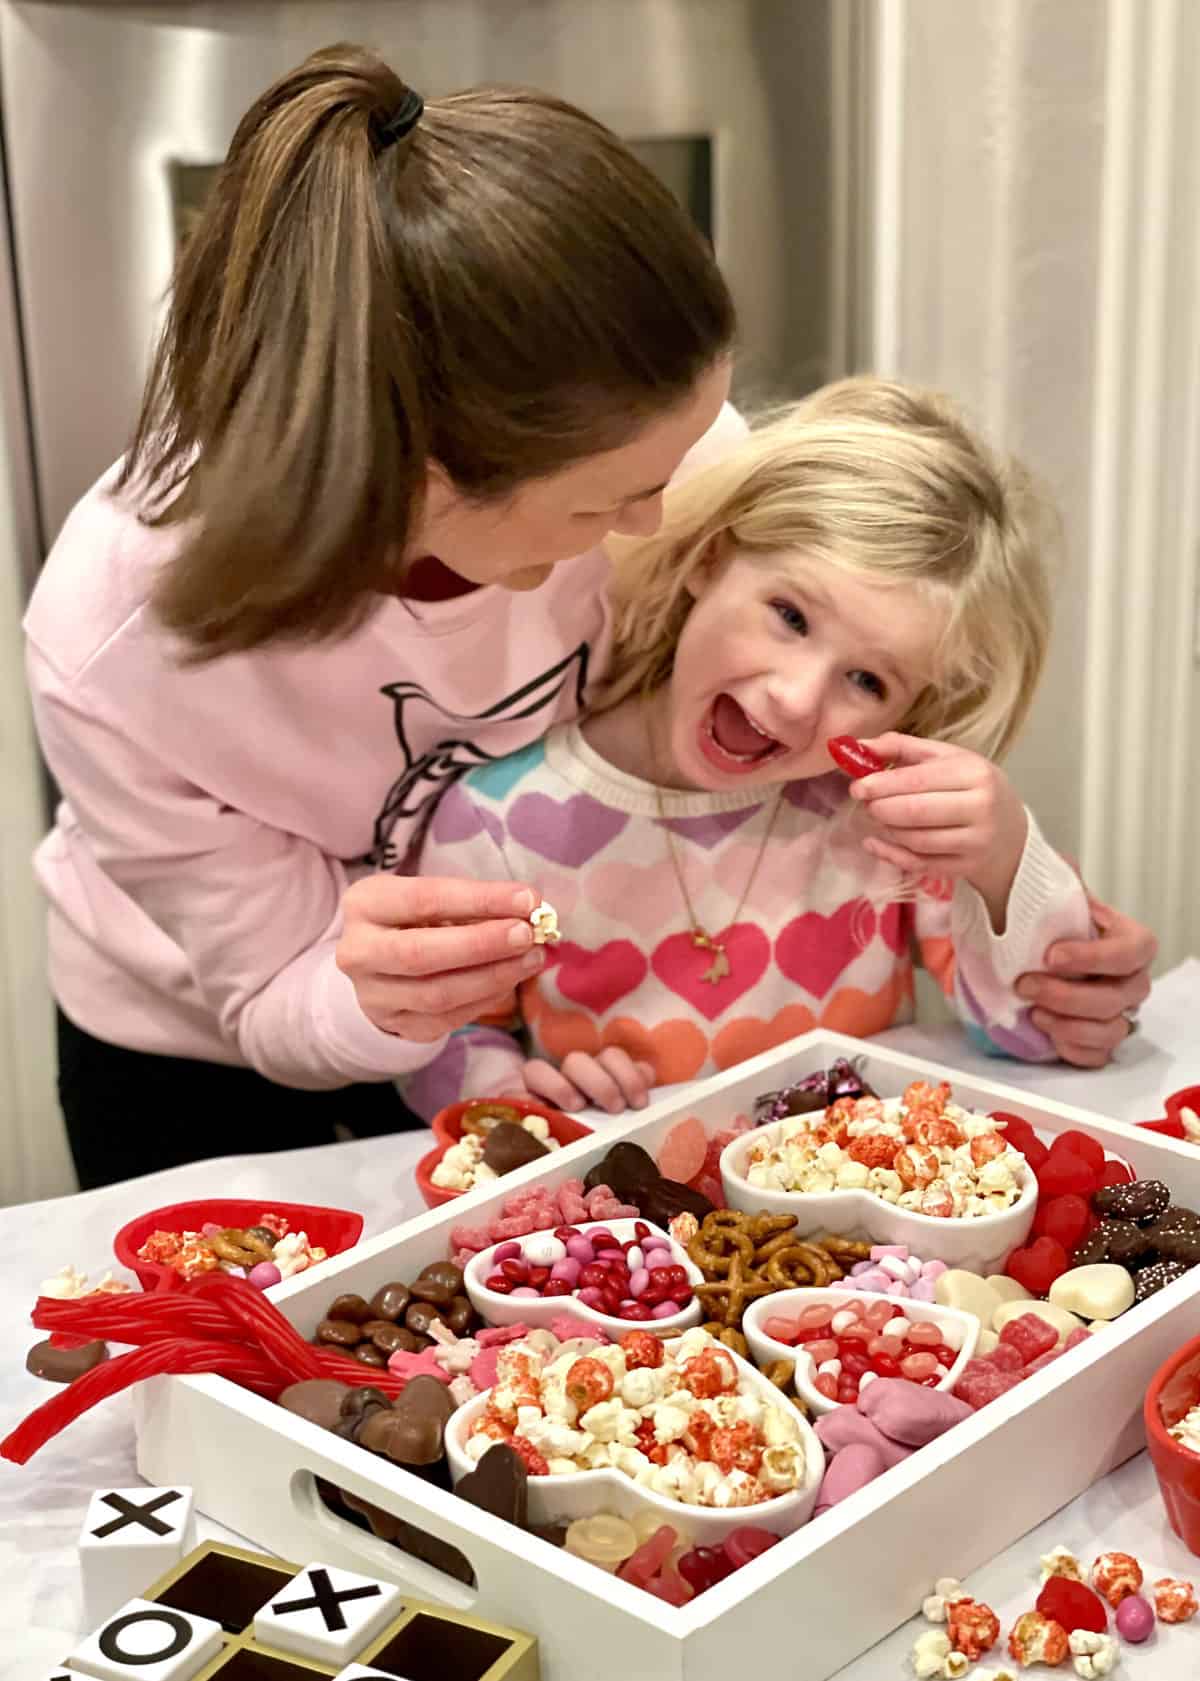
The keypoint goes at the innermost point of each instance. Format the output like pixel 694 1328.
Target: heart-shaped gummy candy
pixel 1064 1173
pixel 1081 1144
pixel 1038 1264
pixel 1067 1219
pixel 1020 1134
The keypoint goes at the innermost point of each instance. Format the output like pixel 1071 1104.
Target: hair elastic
pixel 403 119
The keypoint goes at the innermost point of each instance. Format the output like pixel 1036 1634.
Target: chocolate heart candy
pixel 460 1315
pixel 499 1484
pixel 439 1283
pixel 662 1201
pixel 509 1147
pixel 359 1402
pixel 390 1301
pixel 1142 1201
pixel 352 1308
pixel 64 1365
pixel 625 1169
pixel 411 1431
pixel 1150 1280
pixel 341 1333
pixel 318 1399
pixel 420 1316
pixel 1125 1241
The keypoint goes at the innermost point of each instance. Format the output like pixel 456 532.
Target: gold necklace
pixel 701 938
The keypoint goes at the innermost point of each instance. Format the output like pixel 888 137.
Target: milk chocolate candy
pixel 411 1431
pixel 1150 1280
pixel 357 1406
pixel 438 1283
pixel 420 1316
pixel 1143 1201
pixel 352 1308
pixel 509 1147
pixel 388 1337
pixel 666 1198
pixel 1125 1241
pixel 390 1301
pixel 341 1333
pixel 1094 1247
pixel 318 1399
pixel 460 1315
pixel 499 1484
pixel 369 1355
pixel 625 1169
pixel 64 1365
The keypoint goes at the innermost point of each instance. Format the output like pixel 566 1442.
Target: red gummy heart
pixel 1081 1144
pixel 1038 1265
pixel 1065 1219
pixel 1063 1173
pixel 1019 1133
pixel 1116 1173
pixel 1072 1605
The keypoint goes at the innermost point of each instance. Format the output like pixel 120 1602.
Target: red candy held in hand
pixel 850 755
pixel 1063 1173
pixel 1038 1264
pixel 1072 1605
pixel 1066 1219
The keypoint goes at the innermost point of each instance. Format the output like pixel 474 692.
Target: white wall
pixel 1036 254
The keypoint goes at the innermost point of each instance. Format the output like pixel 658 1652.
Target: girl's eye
pixel 873 685
pixel 791 616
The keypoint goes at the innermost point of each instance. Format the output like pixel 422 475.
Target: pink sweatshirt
pixel 213 816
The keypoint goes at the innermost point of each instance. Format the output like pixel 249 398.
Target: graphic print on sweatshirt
pixel 426 776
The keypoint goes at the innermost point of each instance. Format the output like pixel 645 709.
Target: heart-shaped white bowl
pixel 960 1330
pixel 979 1243
pixel 544 1310
pixel 562 1499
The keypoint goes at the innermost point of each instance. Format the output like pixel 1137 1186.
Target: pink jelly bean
pixel 524 1290
pixel 917 1366
pixel 891 1346
pixel 924 1290
pixel 664 1310
pixel 639 1282
pixel 878 1315
pixel 658 1262
pixel 825 1384
pixel 823 1349
pixel 814 1317
pixel 781 1330
pixel 568 1269
pixel 579 1249
pixel 880 1251
pixel 654 1241
pixel 922 1333
pixel 933 1269
pixel 506 1252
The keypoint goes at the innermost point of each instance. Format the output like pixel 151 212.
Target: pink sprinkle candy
pixel 424 1364
pixel 495 1336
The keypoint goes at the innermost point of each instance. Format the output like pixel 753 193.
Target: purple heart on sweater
pixel 819 794
pixel 706 831
pixel 568 832
pixel 458 818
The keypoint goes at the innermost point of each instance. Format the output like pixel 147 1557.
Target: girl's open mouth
pixel 732 740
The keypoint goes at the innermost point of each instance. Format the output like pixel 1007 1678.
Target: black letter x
pixel 131 1512
pixel 326 1599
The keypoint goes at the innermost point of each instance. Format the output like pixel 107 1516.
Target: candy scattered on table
pixel 1116 1576
pixel 920 1152
pixel 1174 1600
pixel 641 1278
pixel 1135 1619
pixel 67 1284
pixel 848 1344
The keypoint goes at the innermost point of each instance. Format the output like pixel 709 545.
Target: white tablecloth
pixel 42 1504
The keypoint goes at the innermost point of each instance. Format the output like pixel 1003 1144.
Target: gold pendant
pixel 720 964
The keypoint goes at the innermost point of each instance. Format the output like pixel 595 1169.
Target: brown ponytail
pixel 504 290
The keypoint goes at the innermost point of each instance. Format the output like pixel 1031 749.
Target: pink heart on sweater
pixel 622 891
pixel 596 979
pixel 681 965
pixel 813 950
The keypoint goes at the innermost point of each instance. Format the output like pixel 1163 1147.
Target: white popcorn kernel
pixel 955 1665
pixel 929 1652
pixel 546 931
pixel 782 1467
pixel 949 1587
pixel 1094 1654
pixel 933 1609
pixel 1060 1561
pixel 641 1386
pixel 852 1176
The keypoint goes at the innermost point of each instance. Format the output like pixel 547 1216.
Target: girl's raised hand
pixel 941 810
pixel 427 954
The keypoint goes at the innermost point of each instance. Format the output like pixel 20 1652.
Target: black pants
pixel 131 1112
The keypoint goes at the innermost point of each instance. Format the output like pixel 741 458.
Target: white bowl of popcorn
pixel 594 1463
pixel 957 1191
pixel 959 1333
pixel 544 1249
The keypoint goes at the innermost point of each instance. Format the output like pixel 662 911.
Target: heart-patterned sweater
pixel 827 935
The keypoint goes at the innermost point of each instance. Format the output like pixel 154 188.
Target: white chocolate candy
pixel 1100 1291
pixel 1007 1288
pixel 1056 1317
pixel 545 925
pixel 988 1340
pixel 967 1291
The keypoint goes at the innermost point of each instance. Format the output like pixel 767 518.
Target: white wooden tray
pixel 814 1601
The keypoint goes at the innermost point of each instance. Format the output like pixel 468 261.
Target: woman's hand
pixel 428 954
pixel 944 811
pixel 1080 1001
pixel 612 1081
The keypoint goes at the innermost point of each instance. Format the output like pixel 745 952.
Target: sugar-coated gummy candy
pixel 847 1427
pixel 1116 1575
pixel 1073 1604
pixel 1174 1600
pixel 1135 1619
pixel 650 1557
pixel 682 1153
pixel 1030 1336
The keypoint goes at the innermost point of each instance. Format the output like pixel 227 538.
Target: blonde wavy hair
pixel 886 482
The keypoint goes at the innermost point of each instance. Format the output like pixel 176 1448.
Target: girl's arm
pixel 978 969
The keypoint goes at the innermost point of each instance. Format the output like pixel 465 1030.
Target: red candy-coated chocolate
pixel 1073 1605
pixel 1066 1219
pixel 849 754
pixel 1037 1265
